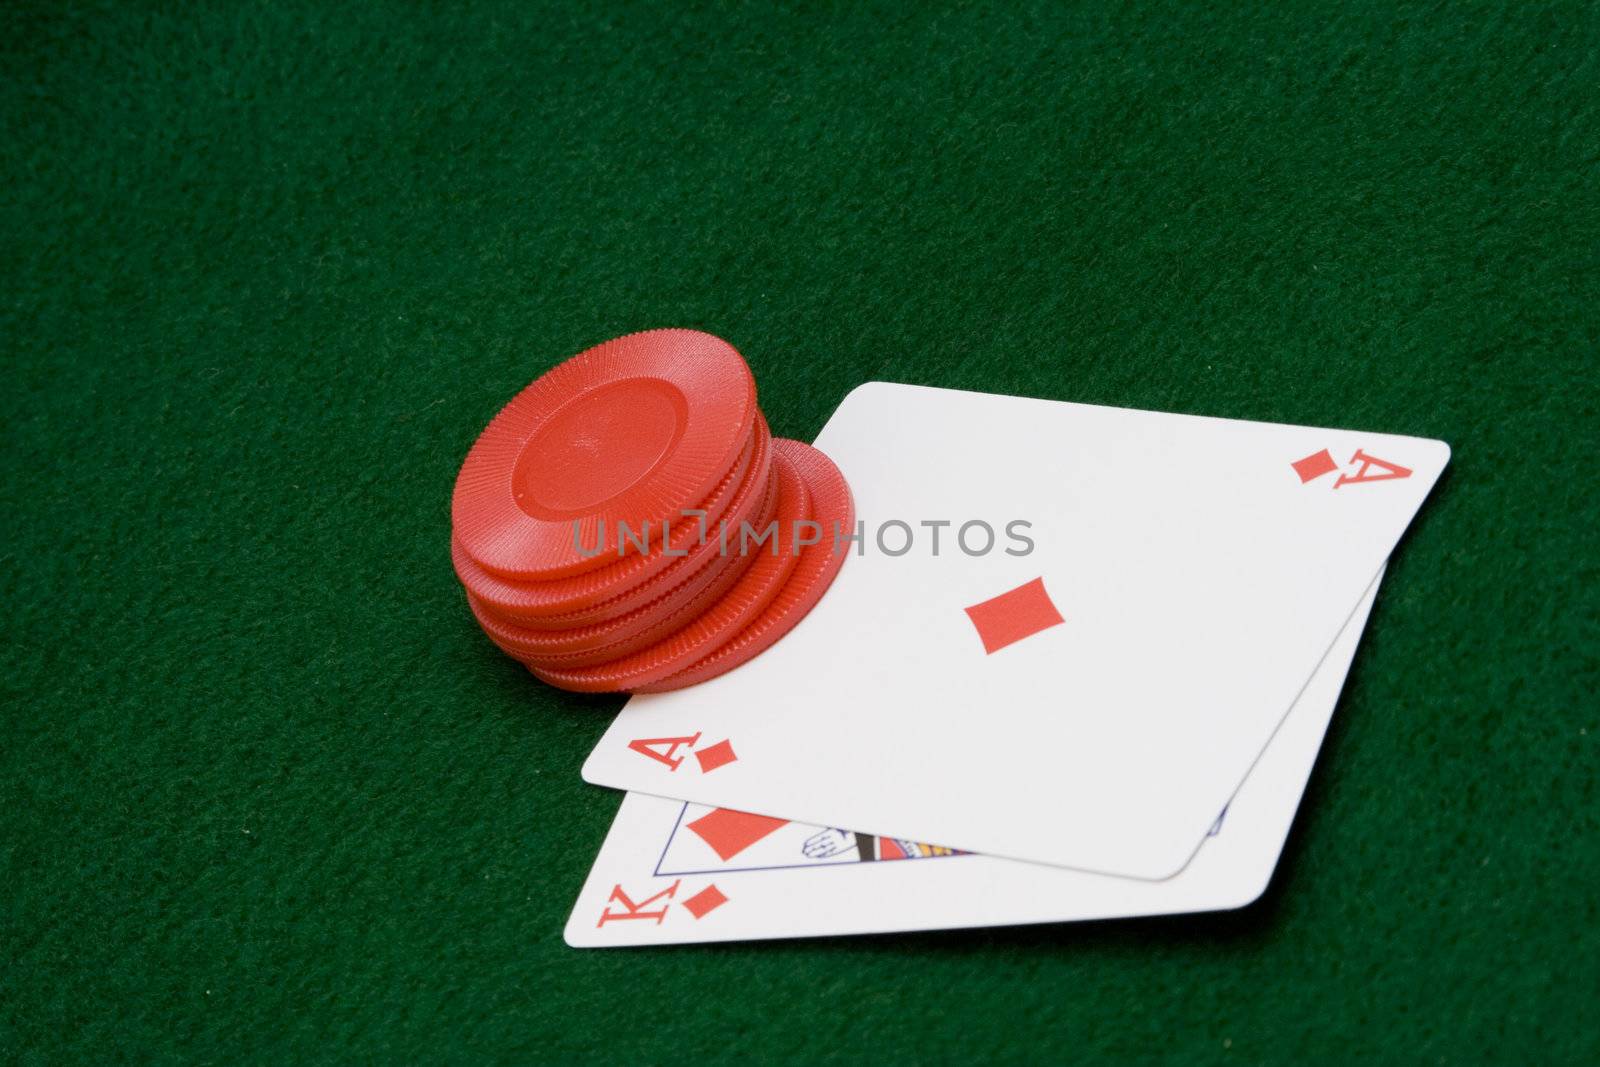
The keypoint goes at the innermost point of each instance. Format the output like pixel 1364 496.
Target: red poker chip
pixel 631 430
pixel 609 592
pixel 755 504
pixel 583 646
pixel 819 564
pixel 667 619
pixel 762 581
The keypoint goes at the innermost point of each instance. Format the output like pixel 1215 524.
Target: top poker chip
pixel 632 431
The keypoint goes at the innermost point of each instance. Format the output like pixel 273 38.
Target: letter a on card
pixel 652 747
pixel 1391 470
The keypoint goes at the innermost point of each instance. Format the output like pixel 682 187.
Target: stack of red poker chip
pixel 605 523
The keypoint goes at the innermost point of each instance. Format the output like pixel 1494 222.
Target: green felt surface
pixel 268 270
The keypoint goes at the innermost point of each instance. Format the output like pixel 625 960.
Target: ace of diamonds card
pixel 1091 702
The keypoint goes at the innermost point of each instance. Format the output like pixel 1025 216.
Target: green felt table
pixel 268 792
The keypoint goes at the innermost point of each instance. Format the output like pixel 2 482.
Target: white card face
pixel 1187 575
pixel 675 872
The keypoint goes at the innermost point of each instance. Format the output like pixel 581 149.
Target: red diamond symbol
pixel 707 900
pixel 715 756
pixel 731 832
pixel 1009 617
pixel 1314 466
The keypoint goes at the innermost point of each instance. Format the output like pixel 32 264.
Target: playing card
pixel 674 872
pixel 1156 592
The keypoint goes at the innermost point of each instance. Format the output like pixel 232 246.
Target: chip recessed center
pixel 598 446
